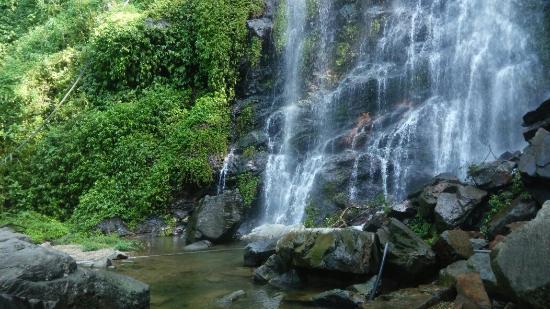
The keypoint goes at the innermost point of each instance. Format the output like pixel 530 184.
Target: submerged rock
pixel 342 250
pixel 229 298
pixel 421 297
pixel 33 276
pixel 197 246
pixel 217 216
pixel 409 256
pixel 521 264
pixel 338 299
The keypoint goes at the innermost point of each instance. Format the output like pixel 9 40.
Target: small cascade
pixel 223 172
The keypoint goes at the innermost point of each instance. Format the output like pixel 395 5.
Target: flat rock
pixel 421 297
pixel 338 299
pixel 452 246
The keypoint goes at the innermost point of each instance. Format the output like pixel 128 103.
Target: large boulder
pixel 480 262
pixel 471 292
pixel 521 264
pixel 427 198
pixel 256 253
pixel 452 246
pixel 33 276
pixel 217 217
pixel 409 256
pixel 534 165
pixel 492 175
pixel 452 209
pixel 341 250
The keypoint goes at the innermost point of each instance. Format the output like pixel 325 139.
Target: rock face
pixel 452 246
pixel 217 216
pixel 521 262
pixel 338 299
pixel 32 276
pixel 534 165
pixel 534 120
pixel 341 250
pixel 154 226
pixel 409 256
pixel 114 225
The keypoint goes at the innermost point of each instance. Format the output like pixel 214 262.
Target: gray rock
pixel 520 210
pixel 273 267
pixel 287 281
pixel 453 209
pixel 364 289
pixel 534 165
pixel 256 253
pixel 481 263
pixel 114 225
pixel 197 246
pixel 229 298
pixel 409 256
pixel 342 250
pixel 534 120
pixel 403 210
pixel 448 275
pixel 217 216
pixel 154 226
pixel 521 264
pixel 478 243
pixel 338 299
pixel 7 233
pixel 471 292
pixel 493 175
pixel 32 276
pixel 428 197
pixel 452 246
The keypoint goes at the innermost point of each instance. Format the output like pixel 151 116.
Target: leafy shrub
pixel 248 187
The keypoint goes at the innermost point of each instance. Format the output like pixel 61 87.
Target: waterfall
pixel 433 86
pixel 223 172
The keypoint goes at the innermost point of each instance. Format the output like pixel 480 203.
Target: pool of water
pixel 200 279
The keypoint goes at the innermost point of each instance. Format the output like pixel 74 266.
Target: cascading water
pixel 433 86
pixel 225 168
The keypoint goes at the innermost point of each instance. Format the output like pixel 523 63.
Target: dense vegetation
pixel 110 108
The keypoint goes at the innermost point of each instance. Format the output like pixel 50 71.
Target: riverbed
pixel 199 279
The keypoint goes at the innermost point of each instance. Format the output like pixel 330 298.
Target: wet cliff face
pixel 357 98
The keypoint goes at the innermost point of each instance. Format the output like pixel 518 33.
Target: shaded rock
pixel 534 165
pixel 471 292
pixel 427 198
pixel 520 210
pixel 534 120
pixel 32 276
pixel 480 262
pixel 497 240
pixel 338 299
pixel 521 264
pixel 364 289
pixel 453 245
pixel 377 221
pixel 422 297
pixel 478 243
pixel 493 175
pixel 273 267
pixel 217 216
pixel 286 281
pixel 403 210
pixel 154 226
pixel 114 225
pixel 258 252
pixel 229 298
pixel 449 274
pixel 197 246
pixel 452 209
pixel 409 256
pixel 342 250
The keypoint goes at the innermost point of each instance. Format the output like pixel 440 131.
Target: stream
pixel 199 279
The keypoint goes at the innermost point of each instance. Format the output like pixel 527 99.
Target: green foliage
pixel 245 120
pixel 38 227
pixel 248 187
pixel 249 152
pixel 96 241
pixel 148 119
pixel 280 25
pixel 311 214
pixel 424 229
pixel 255 52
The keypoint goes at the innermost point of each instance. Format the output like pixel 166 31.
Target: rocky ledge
pixel 33 276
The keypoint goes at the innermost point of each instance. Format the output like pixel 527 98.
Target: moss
pixel 255 52
pixel 323 243
pixel 245 121
pixel 280 25
pixel 311 214
pixel 248 187
pixel 249 152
